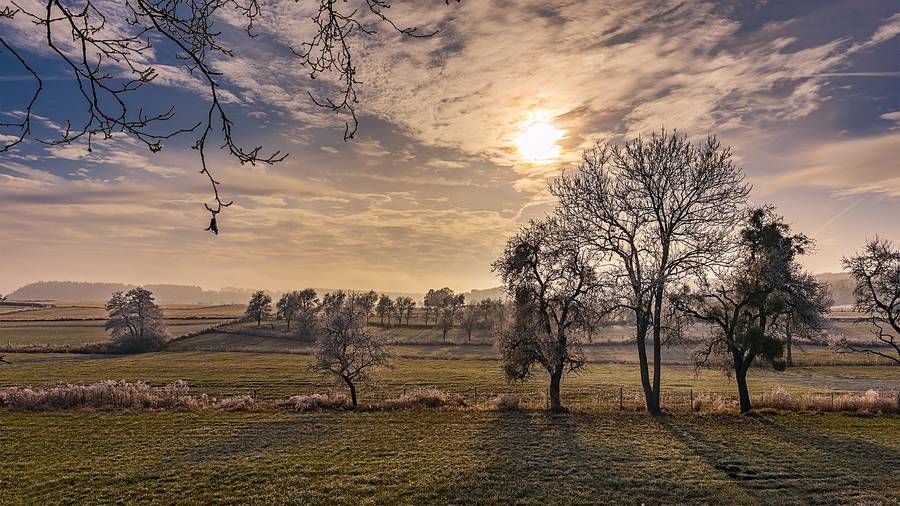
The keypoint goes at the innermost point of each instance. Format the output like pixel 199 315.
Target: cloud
pixel 851 167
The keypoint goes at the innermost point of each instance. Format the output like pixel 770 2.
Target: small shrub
pixel 504 402
pixel 315 402
pixel 430 398
pixel 237 403
pixel 106 395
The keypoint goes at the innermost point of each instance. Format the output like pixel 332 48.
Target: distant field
pixel 448 458
pixel 80 332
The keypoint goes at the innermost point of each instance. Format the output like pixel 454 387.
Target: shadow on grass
pixel 538 458
pixel 776 463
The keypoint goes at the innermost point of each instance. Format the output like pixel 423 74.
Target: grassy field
pixel 599 453
pixel 447 458
pixel 279 375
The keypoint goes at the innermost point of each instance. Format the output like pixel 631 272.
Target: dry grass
pixel 314 402
pixel 504 402
pixel 427 398
pixel 106 395
pixel 869 402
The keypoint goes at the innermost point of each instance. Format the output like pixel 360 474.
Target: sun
pixel 537 139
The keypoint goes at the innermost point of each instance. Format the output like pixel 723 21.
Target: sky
pixel 458 136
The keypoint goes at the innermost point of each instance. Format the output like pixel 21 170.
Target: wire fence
pixel 631 398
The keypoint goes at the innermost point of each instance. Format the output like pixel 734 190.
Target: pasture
pixel 448 458
pixel 605 451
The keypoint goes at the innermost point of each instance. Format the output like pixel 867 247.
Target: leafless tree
pixel 385 308
pixel 259 307
pixel 469 320
pixel 346 349
pixel 288 306
pixel 877 273
pixel 109 50
pixel 658 209
pixel 745 302
pixel 404 308
pixel 805 314
pixel 549 276
pixel 135 321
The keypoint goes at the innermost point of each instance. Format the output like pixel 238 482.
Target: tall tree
pixel 259 307
pixel 876 271
pixel 745 301
pixel 657 209
pixel 346 349
pixel 469 320
pixel 548 275
pixel 135 321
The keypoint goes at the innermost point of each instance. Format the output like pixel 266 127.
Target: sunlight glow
pixel 537 139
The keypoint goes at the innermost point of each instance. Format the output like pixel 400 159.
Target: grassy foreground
pixel 417 457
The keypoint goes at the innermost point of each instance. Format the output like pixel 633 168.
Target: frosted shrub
pixel 315 402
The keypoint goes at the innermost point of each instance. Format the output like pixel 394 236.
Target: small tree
pixel 448 311
pixel 403 308
pixel 346 349
pixel 385 308
pixel 548 275
pixel 471 316
pixel 288 306
pixel 805 314
pixel 259 307
pixel 877 274
pixel 744 303
pixel 135 321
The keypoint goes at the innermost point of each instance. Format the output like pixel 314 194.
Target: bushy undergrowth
pixel 430 398
pixel 504 402
pixel 314 402
pixel 869 402
pixel 106 395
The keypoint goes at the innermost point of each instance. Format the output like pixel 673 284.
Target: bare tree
pixel 660 209
pixel 259 307
pixel 346 349
pixel 548 275
pixel 108 50
pixel 471 316
pixel 135 321
pixel 404 307
pixel 877 273
pixel 385 308
pixel 743 303
pixel 805 314
pixel 296 305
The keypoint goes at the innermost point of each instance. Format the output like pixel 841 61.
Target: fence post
pixel 621 398
pixel 692 399
pixel 475 393
pixel 548 398
pixel 832 401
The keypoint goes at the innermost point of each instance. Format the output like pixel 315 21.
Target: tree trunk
pixel 259 322
pixel 789 340
pixel 288 323
pixel 555 400
pixel 641 336
pixel 743 392
pixel 352 392
pixel 657 349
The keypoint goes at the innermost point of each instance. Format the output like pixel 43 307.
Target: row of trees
pixel 658 227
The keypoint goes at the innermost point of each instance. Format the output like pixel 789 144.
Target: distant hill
pixel 92 291
pixel 167 294
pixel 842 286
